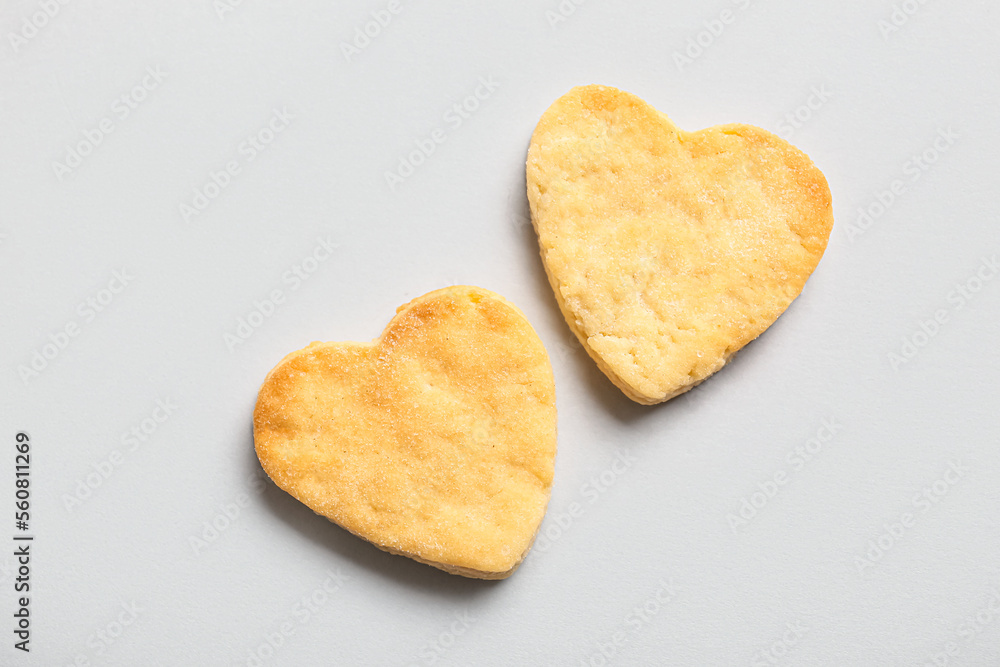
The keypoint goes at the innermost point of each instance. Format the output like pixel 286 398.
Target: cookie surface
pixel 667 250
pixel 436 441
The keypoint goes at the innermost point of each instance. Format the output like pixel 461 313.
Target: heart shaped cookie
pixel 667 250
pixel 436 441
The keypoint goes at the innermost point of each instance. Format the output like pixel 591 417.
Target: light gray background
pixel 661 523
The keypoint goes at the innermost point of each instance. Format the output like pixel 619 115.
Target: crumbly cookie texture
pixel 668 250
pixel 436 441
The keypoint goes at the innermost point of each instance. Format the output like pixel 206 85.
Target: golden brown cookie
pixel 435 441
pixel 668 250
